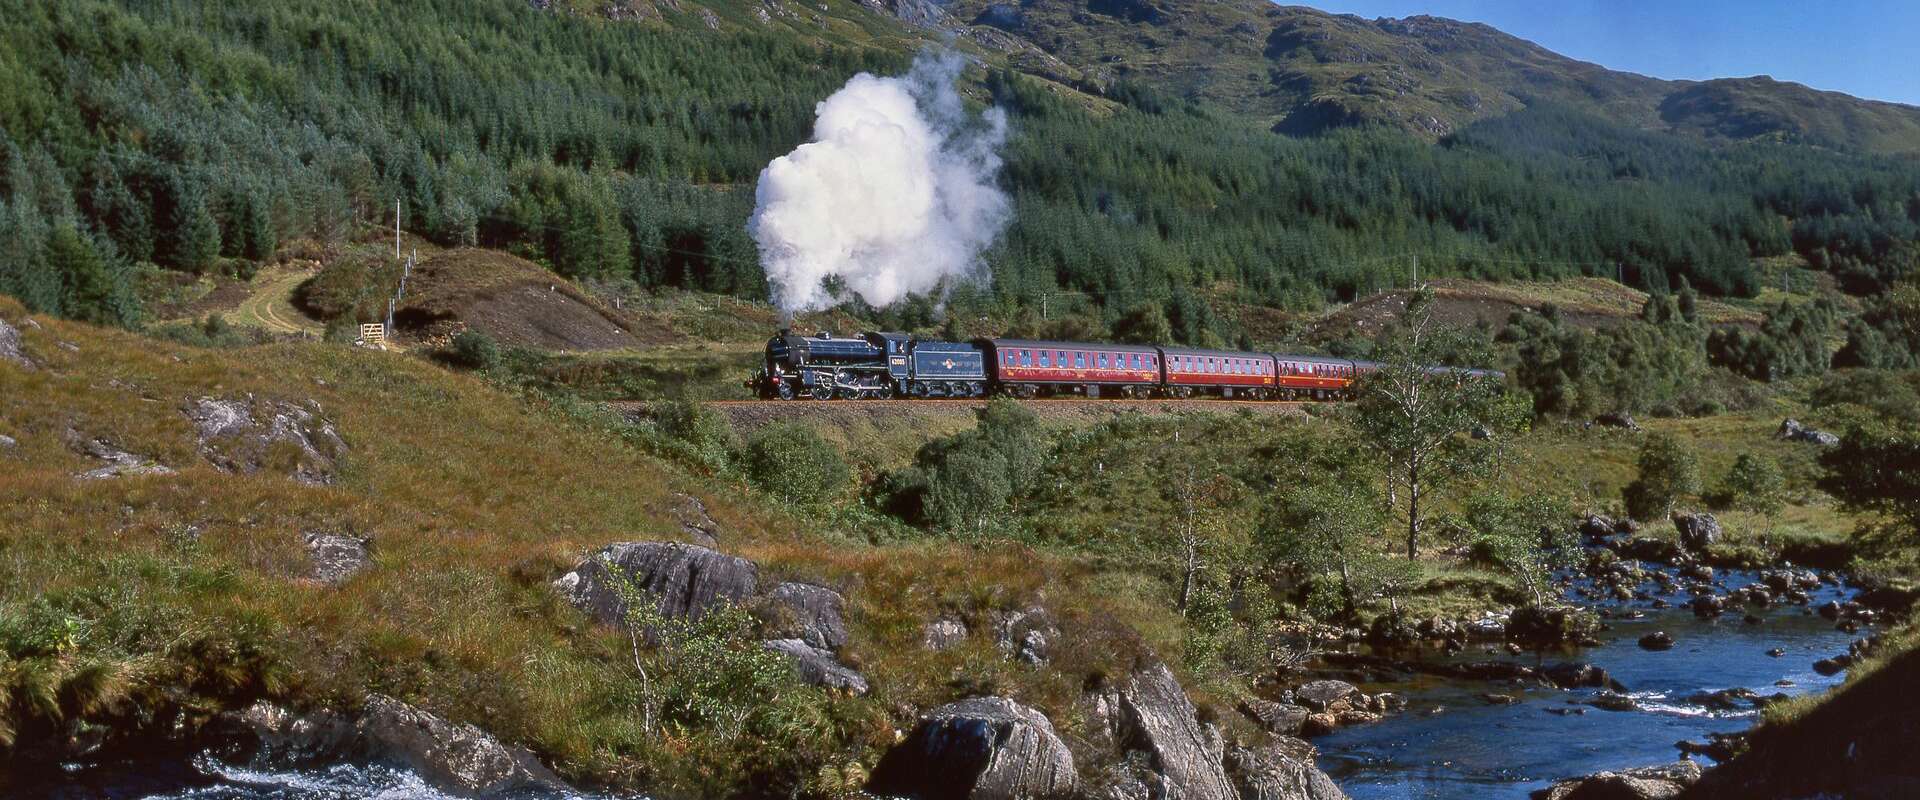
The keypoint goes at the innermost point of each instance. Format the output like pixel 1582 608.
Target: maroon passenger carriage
pixel 1027 368
pixel 1227 373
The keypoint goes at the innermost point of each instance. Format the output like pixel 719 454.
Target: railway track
pixel 750 414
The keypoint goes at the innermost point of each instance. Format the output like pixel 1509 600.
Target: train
pixel 881 365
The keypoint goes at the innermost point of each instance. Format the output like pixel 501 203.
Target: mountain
pixel 1304 71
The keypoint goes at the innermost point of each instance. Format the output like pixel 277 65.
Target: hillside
pixel 1305 71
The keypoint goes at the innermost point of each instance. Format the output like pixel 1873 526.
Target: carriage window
pixel 1213 365
pixel 1060 358
pixel 1046 359
pixel 1079 360
pixel 1026 358
pixel 1103 360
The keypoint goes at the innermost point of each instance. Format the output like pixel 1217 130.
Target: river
pixel 1472 749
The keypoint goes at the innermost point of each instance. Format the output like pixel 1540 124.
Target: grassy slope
pixel 474 500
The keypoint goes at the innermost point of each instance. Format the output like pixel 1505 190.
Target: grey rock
pixel 12 350
pixel 1025 634
pixel 1333 696
pixel 1791 430
pixel 981 748
pixel 818 667
pixel 120 463
pixel 237 434
pixel 1696 530
pixel 1658 640
pixel 1617 420
pixel 687 579
pixel 8 442
pixel 814 614
pixel 1645 783
pixel 336 558
pixel 1156 718
pixel 691 513
pixel 944 633
pixel 1282 771
pixel 1277 718
pixel 453 757
pixel 1580 676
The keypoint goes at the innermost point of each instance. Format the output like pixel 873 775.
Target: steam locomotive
pixel 876 365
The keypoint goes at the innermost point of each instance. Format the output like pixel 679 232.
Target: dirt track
pixel 750 414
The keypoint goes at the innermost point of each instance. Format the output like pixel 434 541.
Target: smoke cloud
pixel 895 193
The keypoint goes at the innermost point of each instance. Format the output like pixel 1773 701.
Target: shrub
pixel 705 432
pixel 475 350
pixel 1753 483
pixel 792 461
pixel 1667 473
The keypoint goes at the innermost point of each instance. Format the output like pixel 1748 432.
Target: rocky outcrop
pixel 240 435
pixel 1026 634
pixel 1697 531
pixel 12 349
pixel 813 614
pixel 818 667
pixel 1646 783
pixel 453 757
pixel 1580 676
pixel 982 748
pixel 336 558
pixel 1619 419
pixel 944 633
pixel 1333 696
pixel 691 513
pixel 1156 718
pixel 1791 430
pixel 1280 719
pixel 119 463
pixel 687 580
pixel 1280 771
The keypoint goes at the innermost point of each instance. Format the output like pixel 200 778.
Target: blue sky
pixel 1868 48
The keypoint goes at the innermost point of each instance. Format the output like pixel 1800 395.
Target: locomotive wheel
pixel 953 390
pixel 785 390
pixel 822 391
pixel 976 389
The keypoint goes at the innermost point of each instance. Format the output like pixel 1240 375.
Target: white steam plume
pixel 895 193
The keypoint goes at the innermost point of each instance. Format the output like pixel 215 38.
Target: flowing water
pixel 1451 743
pixel 1448 744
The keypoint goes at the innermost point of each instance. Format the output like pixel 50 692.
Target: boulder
pixel 1619 419
pixel 1612 701
pixel 1696 530
pixel 944 633
pixel 1791 430
pixel 1280 719
pixel 687 579
pixel 982 748
pixel 1658 640
pixel 1281 771
pixel 335 558
pixel 814 614
pixel 1333 696
pixel 1645 783
pixel 8 442
pixel 1597 527
pixel 242 435
pixel 1551 625
pixel 1708 606
pixel 453 757
pixel 12 350
pixel 818 667
pixel 1156 718
pixel 1580 676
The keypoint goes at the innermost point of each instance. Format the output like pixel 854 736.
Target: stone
pixel 1621 420
pixel 1708 606
pixel 814 614
pixel 1645 783
pixel 688 580
pixel 1777 652
pixel 818 667
pixel 1495 699
pixel 1697 530
pixel 1329 695
pixel 981 748
pixel 8 442
pixel 240 435
pixel 1281 719
pixel 1791 430
pixel 691 514
pixel 1612 701
pixel 453 757
pixel 1156 718
pixel 1580 676
pixel 1829 666
pixel 1597 527
pixel 335 558
pixel 1025 634
pixel 944 633
pixel 120 463
pixel 1319 724
pixel 1283 770
pixel 12 349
